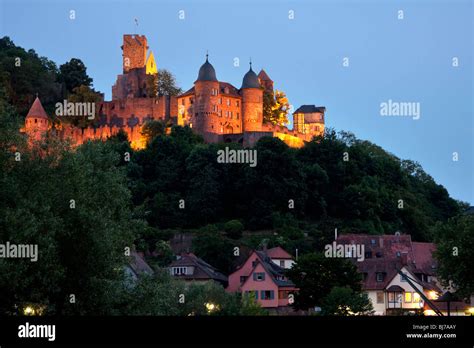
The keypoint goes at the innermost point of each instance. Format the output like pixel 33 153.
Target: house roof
pixel 262 75
pixel 37 110
pixel 273 270
pixel 138 264
pixel 232 91
pixel 389 253
pixel 395 288
pixel 307 109
pixel 225 88
pixel 202 270
pixel 279 253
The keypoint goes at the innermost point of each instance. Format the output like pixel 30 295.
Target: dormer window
pixel 180 270
pixel 379 277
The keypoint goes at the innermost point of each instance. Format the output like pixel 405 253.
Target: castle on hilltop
pixel 214 109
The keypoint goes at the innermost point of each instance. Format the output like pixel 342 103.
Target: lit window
pixel 416 298
pixel 408 297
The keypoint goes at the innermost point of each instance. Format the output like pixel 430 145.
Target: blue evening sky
pixel 407 60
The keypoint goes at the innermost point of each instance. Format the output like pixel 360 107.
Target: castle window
pixel 220 113
pixel 220 100
pixel 214 108
pixel 228 102
pixel 182 101
pixel 36 121
pixel 237 103
pixel 231 114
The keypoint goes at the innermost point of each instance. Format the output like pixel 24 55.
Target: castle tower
pixel 206 89
pixel 265 81
pixel 134 52
pixel 252 102
pixel 36 121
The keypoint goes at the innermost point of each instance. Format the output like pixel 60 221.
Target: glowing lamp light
pixel 433 295
pixel 28 310
pixel 471 310
pixel 211 307
pixel 429 312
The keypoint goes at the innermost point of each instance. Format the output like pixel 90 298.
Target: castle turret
pixel 252 102
pixel 134 52
pixel 37 121
pixel 206 89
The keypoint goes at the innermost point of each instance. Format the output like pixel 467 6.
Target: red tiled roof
pixel 423 256
pixel 278 253
pixel 390 253
pixel 232 91
pixel 37 110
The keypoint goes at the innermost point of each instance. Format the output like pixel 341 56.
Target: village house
pixel 399 275
pixel 263 278
pixel 280 257
pixel 189 267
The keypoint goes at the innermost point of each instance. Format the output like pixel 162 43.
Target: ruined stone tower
pixel 134 52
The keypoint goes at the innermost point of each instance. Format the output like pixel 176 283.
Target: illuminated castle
pixel 214 109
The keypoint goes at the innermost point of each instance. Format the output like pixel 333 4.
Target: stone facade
pixel 214 109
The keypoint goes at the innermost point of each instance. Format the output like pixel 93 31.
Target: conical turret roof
pixel 37 110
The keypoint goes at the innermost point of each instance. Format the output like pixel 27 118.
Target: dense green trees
pixel 345 301
pixel 84 207
pixel 74 74
pixel 316 275
pixel 455 253
pixel 336 181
